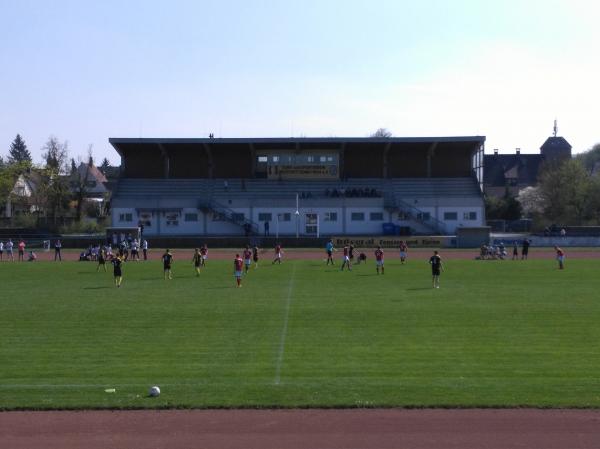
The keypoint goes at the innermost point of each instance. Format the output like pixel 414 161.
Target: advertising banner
pixel 394 241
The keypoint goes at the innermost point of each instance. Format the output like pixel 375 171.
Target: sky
pixel 85 70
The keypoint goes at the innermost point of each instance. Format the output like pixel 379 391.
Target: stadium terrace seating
pixel 434 187
pixel 221 189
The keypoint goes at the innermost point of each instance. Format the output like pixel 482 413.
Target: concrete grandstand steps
pixel 160 187
pixel 434 187
pixel 266 188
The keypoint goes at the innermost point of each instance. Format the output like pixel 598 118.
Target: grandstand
pixel 341 186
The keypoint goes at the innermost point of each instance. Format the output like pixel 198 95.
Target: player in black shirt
pixel 117 262
pixel 525 249
pixel 167 259
pixel 436 268
pixel 197 261
pixel 101 260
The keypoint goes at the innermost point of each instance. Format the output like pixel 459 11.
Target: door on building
pixel 311 224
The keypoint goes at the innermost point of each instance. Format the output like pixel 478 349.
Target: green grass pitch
pixel 301 335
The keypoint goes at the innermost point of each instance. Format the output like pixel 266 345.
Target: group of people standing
pixel 8 247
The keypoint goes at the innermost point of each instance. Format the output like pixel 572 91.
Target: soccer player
pixel 237 269
pixel 101 260
pixel 525 249
pixel 329 249
pixel 9 250
pixel 346 259
pixel 255 255
pixel 117 262
pixel 167 259
pixel 1 249
pixel 204 254
pixel 197 261
pixel 21 251
pixel 123 251
pixel 379 260
pixel 436 268
pixel 57 248
pixel 247 258
pixel 560 257
pixel 515 255
pixel 145 249
pixel 135 254
pixel 278 254
pixel 403 251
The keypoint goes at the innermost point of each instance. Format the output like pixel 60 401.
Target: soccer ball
pixel 154 392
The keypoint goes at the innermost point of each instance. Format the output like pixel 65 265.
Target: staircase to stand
pixel 229 215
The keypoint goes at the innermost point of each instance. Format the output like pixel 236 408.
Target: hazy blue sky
pixel 89 70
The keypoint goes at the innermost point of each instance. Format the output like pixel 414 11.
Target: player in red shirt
pixel 403 251
pixel 247 258
pixel 203 255
pixel 379 259
pixel 278 254
pixel 238 264
pixel 21 251
pixel 346 259
pixel 560 256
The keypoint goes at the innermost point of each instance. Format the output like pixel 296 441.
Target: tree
pixel 78 183
pixel 566 191
pixel 590 158
pixel 55 187
pixel 104 166
pixel 73 166
pixel 18 151
pixel 531 200
pixel 505 208
pixel 90 156
pixel 56 155
pixel 381 132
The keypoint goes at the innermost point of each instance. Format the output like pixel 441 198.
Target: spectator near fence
pixel 57 248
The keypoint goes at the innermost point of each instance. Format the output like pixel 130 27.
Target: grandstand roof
pixel 117 141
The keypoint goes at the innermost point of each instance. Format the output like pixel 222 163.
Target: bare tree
pixel 54 186
pixel 56 155
pixel 381 132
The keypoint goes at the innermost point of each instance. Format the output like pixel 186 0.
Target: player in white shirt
pixel 9 250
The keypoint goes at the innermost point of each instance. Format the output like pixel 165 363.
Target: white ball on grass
pixel 154 391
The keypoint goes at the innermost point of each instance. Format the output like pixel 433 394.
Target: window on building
pixel 146 219
pixel 310 158
pixel 424 216
pixel 265 216
pixel 470 215
pixel 329 158
pixel 275 158
pixel 285 217
pixel 450 216
pixel 330 216
pixel 263 159
pixel 238 216
pixel 172 219
pixel 322 158
pixel 357 216
pixel 125 217
pixel 217 216
pixel 191 217
pixel 376 216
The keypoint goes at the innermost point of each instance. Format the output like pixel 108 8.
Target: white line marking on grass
pixel 281 350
